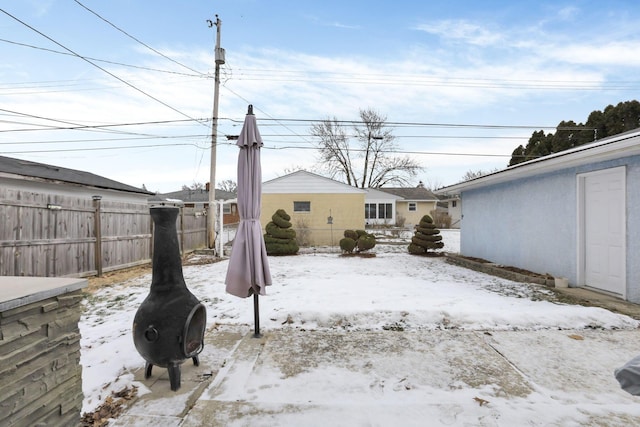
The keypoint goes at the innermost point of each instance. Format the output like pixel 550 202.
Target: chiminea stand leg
pixel 147 370
pixel 174 375
pixel 196 361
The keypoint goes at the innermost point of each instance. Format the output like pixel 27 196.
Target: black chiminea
pixel 170 323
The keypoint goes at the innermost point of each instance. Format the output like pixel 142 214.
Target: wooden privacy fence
pixel 49 235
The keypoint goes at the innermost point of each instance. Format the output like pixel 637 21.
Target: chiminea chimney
pixel 170 323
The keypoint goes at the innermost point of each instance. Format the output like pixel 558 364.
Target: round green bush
pixel 351 234
pixel 347 244
pixel 361 233
pixel 366 242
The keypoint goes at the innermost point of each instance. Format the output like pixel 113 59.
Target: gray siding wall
pixel 531 223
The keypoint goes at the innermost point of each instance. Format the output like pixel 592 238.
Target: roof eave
pixel 20 177
pixel 616 147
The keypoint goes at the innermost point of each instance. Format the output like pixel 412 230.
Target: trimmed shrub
pixel 426 237
pixel 366 242
pixel 281 233
pixel 347 244
pixel 281 219
pixel 351 234
pixel 280 238
pixel 358 240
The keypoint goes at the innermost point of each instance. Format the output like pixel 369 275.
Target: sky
pixel 126 89
pixel 363 294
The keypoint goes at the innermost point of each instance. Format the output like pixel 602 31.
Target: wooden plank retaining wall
pixel 47 235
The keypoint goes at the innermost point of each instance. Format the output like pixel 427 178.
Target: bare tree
pixel 228 185
pixel 334 150
pixel 194 186
pixel 432 184
pixel 371 164
pixel 293 168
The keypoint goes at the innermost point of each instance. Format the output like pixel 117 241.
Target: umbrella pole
pixel 256 316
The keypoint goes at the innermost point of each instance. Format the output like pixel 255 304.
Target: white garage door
pixel 604 230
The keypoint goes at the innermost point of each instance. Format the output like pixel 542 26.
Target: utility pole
pixel 211 213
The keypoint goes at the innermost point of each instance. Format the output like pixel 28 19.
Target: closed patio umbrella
pixel 248 271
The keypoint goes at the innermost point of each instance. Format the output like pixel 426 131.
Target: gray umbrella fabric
pixel 248 272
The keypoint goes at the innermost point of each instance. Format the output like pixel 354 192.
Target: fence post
pixel 97 225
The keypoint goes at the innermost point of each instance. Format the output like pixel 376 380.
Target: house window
pixel 413 206
pixel 370 211
pixel 385 211
pixel 454 203
pixel 226 208
pixel 302 206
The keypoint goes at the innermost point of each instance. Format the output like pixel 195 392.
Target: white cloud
pixel 41 7
pixel 463 31
pixel 618 53
pixel 341 25
pixel 568 13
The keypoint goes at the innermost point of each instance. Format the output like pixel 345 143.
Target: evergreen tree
pixel 280 238
pixel 426 237
pixel 600 124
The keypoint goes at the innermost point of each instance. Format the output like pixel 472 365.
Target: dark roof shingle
pixel 56 173
pixel 194 196
pixel 415 193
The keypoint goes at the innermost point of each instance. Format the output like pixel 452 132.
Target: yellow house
pixel 414 203
pixel 321 208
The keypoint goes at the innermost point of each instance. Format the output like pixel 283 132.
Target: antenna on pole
pixel 211 216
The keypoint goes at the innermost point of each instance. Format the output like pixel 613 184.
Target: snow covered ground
pixel 325 292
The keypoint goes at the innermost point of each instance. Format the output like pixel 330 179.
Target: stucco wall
pixel 633 229
pixel 347 211
pixel 531 223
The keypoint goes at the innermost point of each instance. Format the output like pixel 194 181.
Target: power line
pixel 62 150
pixel 97 66
pixel 137 40
pixel 266 135
pixel 421 80
pixel 199 74
pixel 89 127
pixel 385 76
pixel 307 122
pixel 131 138
pixel 264 112
pixel 74 124
pixel 429 153
pixel 415 124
